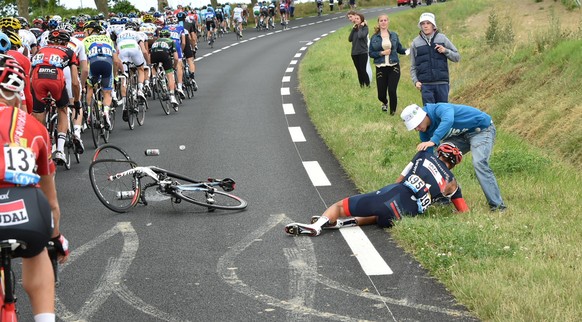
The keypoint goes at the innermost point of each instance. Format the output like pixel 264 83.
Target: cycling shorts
pixel 188 52
pixel 48 80
pixel 101 69
pixel 282 11
pixel 25 214
pixel 164 58
pixel 133 55
pixel 388 204
pixel 210 25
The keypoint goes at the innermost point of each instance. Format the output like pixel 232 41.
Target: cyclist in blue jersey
pixel 468 128
pixel 210 20
pixel 227 10
pixel 424 181
pixel 178 34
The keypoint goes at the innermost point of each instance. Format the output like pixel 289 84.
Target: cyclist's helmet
pixel 10 23
pixel 164 33
pixel 23 22
pixel 37 21
pixel 132 15
pixel 80 24
pixel 92 27
pixel 59 36
pixel 181 16
pixel 123 21
pixel 114 21
pixel 157 14
pixel 53 24
pixel 147 18
pixel 66 26
pixel 450 152
pixel 132 26
pixel 4 43
pixel 57 18
pixel 15 39
pixel 101 16
pixel 171 20
pixel 11 74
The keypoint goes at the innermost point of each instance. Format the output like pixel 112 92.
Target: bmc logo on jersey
pixel 13 213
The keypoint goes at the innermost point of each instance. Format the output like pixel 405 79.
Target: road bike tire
pixel 96 124
pixel 130 108
pixel 110 152
pixel 164 97
pixel 140 113
pixel 112 112
pixel 223 200
pixel 118 195
pixel 69 149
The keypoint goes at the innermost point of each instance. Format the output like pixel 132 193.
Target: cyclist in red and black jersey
pixel 48 78
pixel 29 209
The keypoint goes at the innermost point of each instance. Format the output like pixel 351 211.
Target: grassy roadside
pixel 524 264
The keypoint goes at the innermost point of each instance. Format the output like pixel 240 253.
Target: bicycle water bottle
pixel 152 152
pixel 124 195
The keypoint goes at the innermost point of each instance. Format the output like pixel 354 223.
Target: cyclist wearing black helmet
pixel 163 51
pixel 424 181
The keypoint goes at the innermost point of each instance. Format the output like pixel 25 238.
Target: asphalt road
pixel 168 262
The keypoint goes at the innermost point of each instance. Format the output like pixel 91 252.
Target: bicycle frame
pixel 7 298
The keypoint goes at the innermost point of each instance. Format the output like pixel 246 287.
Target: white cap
pixel 412 115
pixel 427 16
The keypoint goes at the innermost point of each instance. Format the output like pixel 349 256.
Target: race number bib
pixel 19 166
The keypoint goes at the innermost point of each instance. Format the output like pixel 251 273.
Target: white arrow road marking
pixel 112 278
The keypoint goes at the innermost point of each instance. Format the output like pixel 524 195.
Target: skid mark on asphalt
pixel 304 278
pixel 111 282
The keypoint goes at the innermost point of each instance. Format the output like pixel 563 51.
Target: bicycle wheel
pixel 112 112
pixel 140 112
pixel 118 195
pixel 110 152
pixel 72 145
pixel 69 149
pixel 163 95
pixel 200 196
pixel 131 106
pixel 96 124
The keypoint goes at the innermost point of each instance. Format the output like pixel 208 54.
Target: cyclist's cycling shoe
pixel 125 115
pixel 195 85
pixel 173 101
pixel 141 95
pixel 181 93
pixel 302 229
pixel 59 157
pixel 79 148
pixel 107 121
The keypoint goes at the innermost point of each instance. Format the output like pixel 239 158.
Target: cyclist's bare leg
pixel 39 283
pixel 41 117
pixel 191 65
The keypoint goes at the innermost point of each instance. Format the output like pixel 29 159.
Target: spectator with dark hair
pixel 359 39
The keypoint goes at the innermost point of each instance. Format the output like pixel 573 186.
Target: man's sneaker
pixel 302 229
pixel 79 148
pixel 340 222
pixel 181 93
pixel 195 85
pixel 141 95
pixel 384 108
pixel 125 115
pixel 59 157
pixel 173 100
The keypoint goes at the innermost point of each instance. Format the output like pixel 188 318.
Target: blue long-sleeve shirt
pixel 447 120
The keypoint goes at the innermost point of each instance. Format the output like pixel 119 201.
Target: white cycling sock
pixel 44 317
pixel 321 221
pixel 77 130
pixel 180 85
pixel 61 137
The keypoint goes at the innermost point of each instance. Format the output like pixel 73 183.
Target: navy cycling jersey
pixel 427 177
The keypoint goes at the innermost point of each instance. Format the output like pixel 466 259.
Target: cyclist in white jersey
pixel 238 18
pixel 131 48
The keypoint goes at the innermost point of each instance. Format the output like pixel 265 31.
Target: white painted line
pixel 286 79
pixel 198 59
pixel 217 51
pixel 316 39
pixel 288 109
pixel 370 260
pixel 293 62
pixel 296 134
pixel 297 55
pixel 244 41
pixel 252 38
pixel 226 47
pixel 309 43
pixel 285 91
pixel 289 70
pixel 207 55
pixel 324 35
pixel 316 174
pixel 302 48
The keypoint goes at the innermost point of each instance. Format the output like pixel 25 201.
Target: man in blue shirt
pixel 468 128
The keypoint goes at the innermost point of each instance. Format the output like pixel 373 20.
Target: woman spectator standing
pixel 359 39
pixel 384 49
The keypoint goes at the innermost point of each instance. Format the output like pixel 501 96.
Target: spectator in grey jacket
pixel 429 55
pixel 359 39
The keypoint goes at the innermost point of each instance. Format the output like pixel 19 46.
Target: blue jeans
pixel 434 93
pixel 480 143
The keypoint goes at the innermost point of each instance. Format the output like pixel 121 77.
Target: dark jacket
pixel 427 65
pixel 376 48
pixel 359 39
